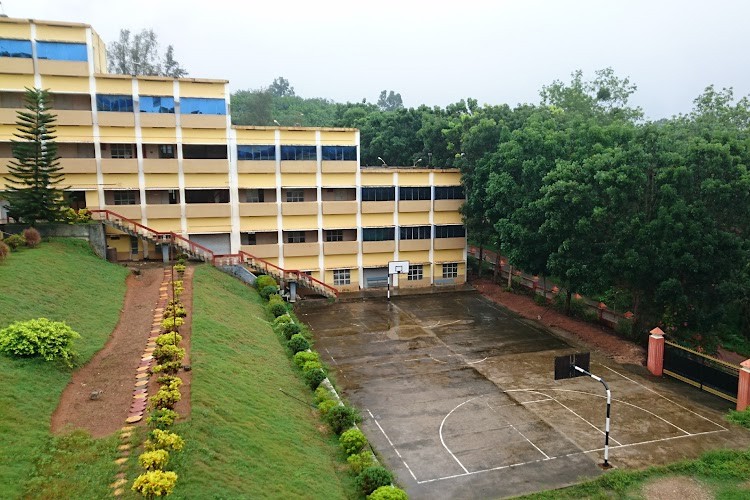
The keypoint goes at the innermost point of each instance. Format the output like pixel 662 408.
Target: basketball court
pixel 458 397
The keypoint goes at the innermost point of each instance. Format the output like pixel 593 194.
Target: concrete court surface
pixel 458 397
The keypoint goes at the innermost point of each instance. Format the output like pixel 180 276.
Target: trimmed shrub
pixel 170 367
pixel 51 340
pixel 312 365
pixel 165 398
pixel 289 330
pixel 14 241
pixel 4 251
pixel 171 324
pixel 326 405
pixel 372 478
pixel 173 310
pixel 314 378
pixel 298 343
pixel 168 339
pixel 322 394
pixel 352 441
pixel 281 321
pixel 276 308
pixel 388 493
pixel 163 440
pixel 263 281
pixel 162 418
pixel 170 381
pixel 276 298
pixel 32 237
pixel 341 418
pixel 153 460
pixel 360 461
pixel 180 268
pixel 303 357
pixel 267 291
pixel 168 352
pixel 155 483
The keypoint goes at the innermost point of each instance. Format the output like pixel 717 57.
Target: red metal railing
pixel 223 259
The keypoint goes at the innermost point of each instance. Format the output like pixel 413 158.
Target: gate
pixel 707 373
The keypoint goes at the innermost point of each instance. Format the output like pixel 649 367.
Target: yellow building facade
pixel 163 152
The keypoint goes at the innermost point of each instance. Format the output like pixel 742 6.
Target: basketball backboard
pixel 398 267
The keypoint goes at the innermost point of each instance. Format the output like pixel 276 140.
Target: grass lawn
pixel 62 280
pixel 245 439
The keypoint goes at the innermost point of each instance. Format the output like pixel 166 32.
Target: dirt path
pixel 597 337
pixel 112 369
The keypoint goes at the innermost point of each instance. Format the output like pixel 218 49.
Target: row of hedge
pixel 157 480
pixel 373 480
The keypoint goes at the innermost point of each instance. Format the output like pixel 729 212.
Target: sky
pixel 438 52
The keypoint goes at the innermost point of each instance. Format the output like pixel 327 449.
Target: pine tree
pixel 32 186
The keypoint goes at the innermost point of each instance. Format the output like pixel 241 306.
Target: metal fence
pixel 705 372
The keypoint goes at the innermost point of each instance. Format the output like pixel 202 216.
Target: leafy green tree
pixel 32 186
pixel 252 107
pixel 281 88
pixel 390 101
pixel 139 54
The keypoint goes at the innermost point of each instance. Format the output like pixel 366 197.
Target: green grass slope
pixel 62 280
pixel 245 439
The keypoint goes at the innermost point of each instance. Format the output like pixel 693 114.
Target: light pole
pixel 382 160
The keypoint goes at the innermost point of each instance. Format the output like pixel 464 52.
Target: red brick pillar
pixel 656 352
pixel 743 387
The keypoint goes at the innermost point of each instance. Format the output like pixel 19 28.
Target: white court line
pixel 546 457
pixel 664 397
pixel 392 445
pixel 441 432
pixel 475 362
pixel 331 355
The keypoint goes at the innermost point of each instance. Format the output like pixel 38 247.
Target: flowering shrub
pixel 171 324
pixel 168 352
pixel 170 367
pixel 153 460
pixel 352 441
pixel 180 268
pixel 170 381
pixel 164 440
pixel 155 483
pixel 162 418
pixel 168 339
pixel 51 340
pixel 32 237
pixel 165 398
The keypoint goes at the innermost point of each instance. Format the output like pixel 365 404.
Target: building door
pixel 375 277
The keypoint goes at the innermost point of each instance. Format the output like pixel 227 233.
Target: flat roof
pixel 19 20
pixel 159 78
pixel 266 127
pixel 408 169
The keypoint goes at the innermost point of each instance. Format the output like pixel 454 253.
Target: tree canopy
pixel 140 54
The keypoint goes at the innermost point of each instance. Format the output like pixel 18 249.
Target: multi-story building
pixel 162 151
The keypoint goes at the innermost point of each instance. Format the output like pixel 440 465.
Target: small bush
pixel 154 460
pixel 170 381
pixel 312 365
pixel 168 339
pixel 341 418
pixel 314 378
pixel 298 343
pixel 276 308
pixel 162 418
pixel 14 241
pixel 276 298
pixel 50 340
pixel 352 441
pixel 165 398
pixel 32 237
pixel 180 268
pixel 322 394
pixel 360 461
pixel 388 493
pixel 171 324
pixel 303 357
pixel 326 405
pixel 164 440
pixel 168 352
pixel 263 281
pixel 155 483
pixel 289 330
pixel 170 367
pixel 625 327
pixel 269 290
pixel 4 251
pixel 175 310
pixel 280 321
pixel 372 478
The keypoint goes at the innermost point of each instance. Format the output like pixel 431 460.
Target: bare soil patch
pixel 676 488
pixel 596 336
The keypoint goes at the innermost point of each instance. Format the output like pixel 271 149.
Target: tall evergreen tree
pixel 35 175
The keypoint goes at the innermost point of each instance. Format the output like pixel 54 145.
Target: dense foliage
pixel 49 340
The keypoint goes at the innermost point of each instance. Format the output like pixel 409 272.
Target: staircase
pixel 199 252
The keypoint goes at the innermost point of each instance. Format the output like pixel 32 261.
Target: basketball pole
pixel 609 404
pixel 389 286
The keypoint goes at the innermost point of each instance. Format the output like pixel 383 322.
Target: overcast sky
pixel 437 52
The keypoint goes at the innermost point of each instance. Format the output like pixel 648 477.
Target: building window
pixel 202 106
pixel 206 196
pixel 61 51
pixel 450 270
pixel 256 152
pixel 449 193
pixel 255 196
pixel 248 239
pixel 15 48
pixel 414 193
pixel 295 195
pixel 378 193
pixel 416 232
pixel 292 153
pixel 455 231
pixel 377 233
pixel 342 277
pixel 119 103
pixel 134 245
pixel 156 104
pixel 166 151
pixel 295 237
pixel 342 153
pixel 124 197
pixel 335 235
pixel 121 151
pixel 416 273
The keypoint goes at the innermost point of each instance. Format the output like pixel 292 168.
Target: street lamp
pixel 382 160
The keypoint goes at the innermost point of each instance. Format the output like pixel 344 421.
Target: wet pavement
pixel 458 398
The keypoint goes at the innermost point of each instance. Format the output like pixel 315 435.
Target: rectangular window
pixel 377 233
pixel 416 273
pixel 255 196
pixel 121 151
pixel 295 237
pixel 256 152
pixel 248 239
pixel 202 106
pixel 15 48
pixel 335 235
pixel 343 153
pixel 415 232
pixel 450 270
pixel 342 277
pixel 378 193
pixel 455 231
pixel 414 193
pixel 292 153
pixel 124 197
pixel 295 195
pixel 156 104
pixel 134 245
pixel 166 151
pixel 120 103
pixel 449 193
pixel 61 51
